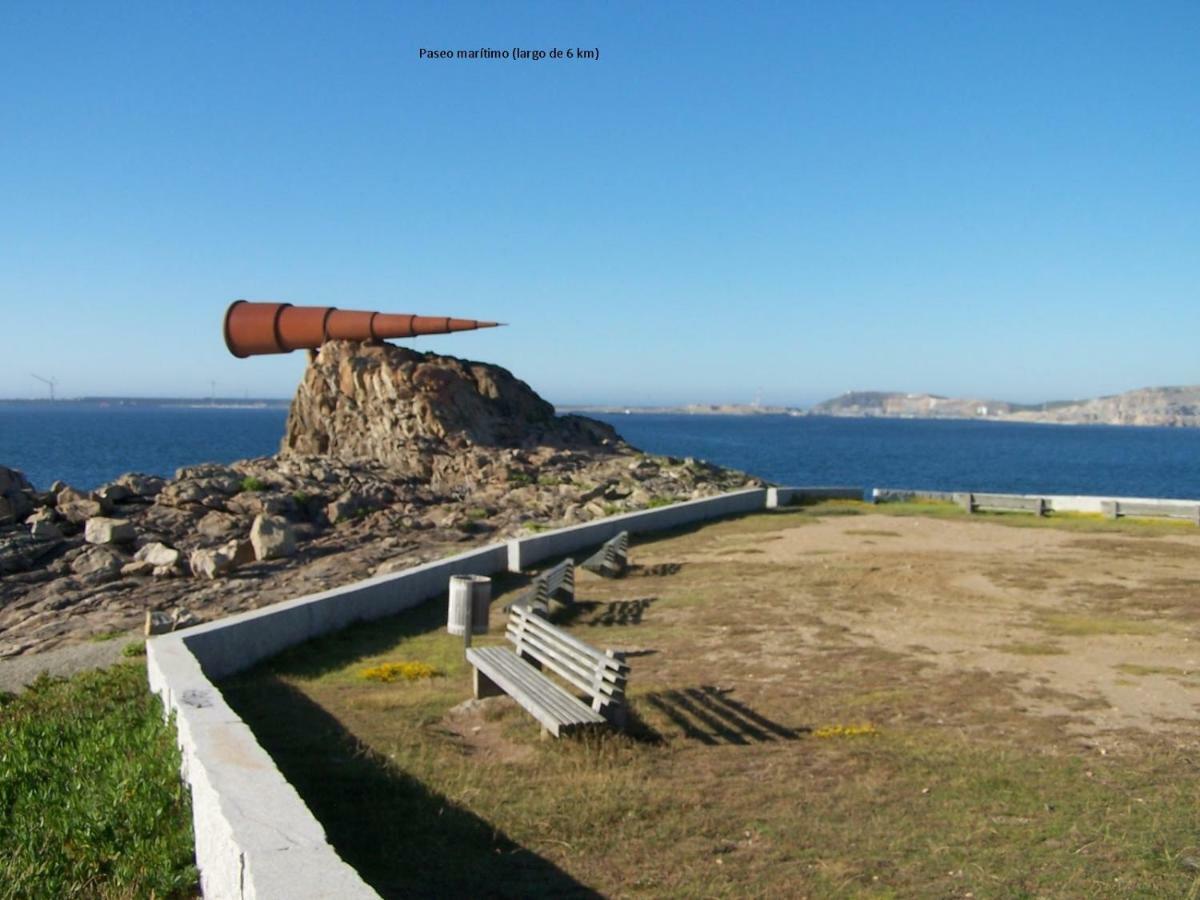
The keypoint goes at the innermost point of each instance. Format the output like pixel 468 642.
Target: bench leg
pixel 485 687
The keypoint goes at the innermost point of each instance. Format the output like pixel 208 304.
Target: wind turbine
pixel 49 382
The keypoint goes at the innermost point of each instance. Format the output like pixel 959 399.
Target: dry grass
pixel 936 776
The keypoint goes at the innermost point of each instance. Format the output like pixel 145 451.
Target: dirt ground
pixel 834 701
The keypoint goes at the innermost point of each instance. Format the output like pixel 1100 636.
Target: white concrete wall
pixel 786 496
pixel 528 551
pixel 255 838
pixel 1056 502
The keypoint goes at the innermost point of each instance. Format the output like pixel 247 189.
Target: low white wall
pixel 1055 502
pixel 525 552
pixel 255 838
pixel 786 496
pixel 237 642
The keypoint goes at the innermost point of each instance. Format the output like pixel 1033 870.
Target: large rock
pixel 99 562
pixel 217 562
pixel 157 554
pixel 420 414
pixel 16 496
pixel 77 507
pixel 109 531
pixel 272 537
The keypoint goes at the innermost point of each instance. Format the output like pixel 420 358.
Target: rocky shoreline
pixel 465 455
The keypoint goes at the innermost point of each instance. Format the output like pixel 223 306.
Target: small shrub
pixel 477 513
pixel 535 526
pixel 407 671
pixel 250 483
pixel 549 481
pixel 656 502
pixel 611 509
pixel 520 479
pixel 301 498
pixel 138 648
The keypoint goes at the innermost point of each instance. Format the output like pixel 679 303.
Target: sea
pixel 88 445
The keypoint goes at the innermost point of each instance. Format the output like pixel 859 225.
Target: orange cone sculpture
pixel 253 329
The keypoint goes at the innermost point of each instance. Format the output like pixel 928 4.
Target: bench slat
pixel 559 702
pixel 535 622
pixel 578 674
pixel 545 701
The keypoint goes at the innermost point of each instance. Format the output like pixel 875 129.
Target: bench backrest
pixel 1148 509
pixel 599 673
pixel 556 581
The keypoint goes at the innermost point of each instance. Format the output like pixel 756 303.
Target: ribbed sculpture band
pixel 254 329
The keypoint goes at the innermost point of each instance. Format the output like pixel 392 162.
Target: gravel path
pixel 18 671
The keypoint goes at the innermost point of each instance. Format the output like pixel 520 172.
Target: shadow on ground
pixel 709 715
pixel 363 639
pixel 403 839
pixel 597 612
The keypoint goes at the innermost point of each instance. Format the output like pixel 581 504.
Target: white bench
pixel 557 583
pixel 1003 503
pixel 600 674
pixel 1115 509
pixel 612 559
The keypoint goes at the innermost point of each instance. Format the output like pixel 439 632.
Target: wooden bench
pixel 1114 509
pixel 557 583
pixel 1003 503
pixel 600 674
pixel 612 559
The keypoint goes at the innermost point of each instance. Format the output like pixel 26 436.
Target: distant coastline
pixel 153 402
pixel 1177 407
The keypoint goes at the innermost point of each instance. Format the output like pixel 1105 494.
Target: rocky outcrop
pixel 391 458
pixel 437 418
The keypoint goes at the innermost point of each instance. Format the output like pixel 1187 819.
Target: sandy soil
pixel 1102 628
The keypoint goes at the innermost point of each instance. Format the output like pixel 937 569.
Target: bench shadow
pixel 404 839
pixel 657 570
pixel 709 715
pixel 606 613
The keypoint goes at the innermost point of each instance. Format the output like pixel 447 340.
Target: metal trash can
pixel 470 604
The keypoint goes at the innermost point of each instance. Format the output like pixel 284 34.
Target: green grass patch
pixel 1032 648
pixel 1083 625
pixel 106 636
pixel 137 648
pixel 656 502
pixel 91 803
pixel 1135 669
pixel 250 483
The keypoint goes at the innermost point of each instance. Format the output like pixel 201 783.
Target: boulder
pixel 158 554
pixel 77 507
pixel 347 506
pixel 418 412
pixel 102 530
pixel 45 530
pixel 16 496
pixel 114 493
pixel 272 537
pixel 212 562
pixel 137 567
pixel 216 525
pixel 100 562
pixel 145 486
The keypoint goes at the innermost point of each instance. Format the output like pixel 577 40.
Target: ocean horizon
pixel 89 445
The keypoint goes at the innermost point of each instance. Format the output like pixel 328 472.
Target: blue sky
pixel 795 199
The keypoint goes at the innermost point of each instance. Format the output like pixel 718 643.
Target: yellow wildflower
pixel 409 671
